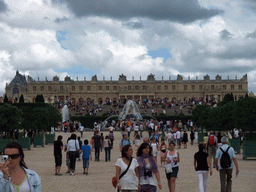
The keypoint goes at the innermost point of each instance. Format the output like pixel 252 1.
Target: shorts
pixel 174 173
pixel 67 161
pixel 58 160
pixel 85 163
pixel 178 142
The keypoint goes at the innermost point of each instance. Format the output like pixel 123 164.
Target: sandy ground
pixel 41 160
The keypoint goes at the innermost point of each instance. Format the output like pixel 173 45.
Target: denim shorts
pixel 85 163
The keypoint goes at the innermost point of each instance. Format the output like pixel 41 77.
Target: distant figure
pixel 58 147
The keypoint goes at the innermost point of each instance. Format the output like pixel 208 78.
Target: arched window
pixel 15 90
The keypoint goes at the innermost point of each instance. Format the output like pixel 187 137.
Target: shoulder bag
pixel 114 181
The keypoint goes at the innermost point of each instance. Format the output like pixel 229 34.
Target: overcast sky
pixel 78 38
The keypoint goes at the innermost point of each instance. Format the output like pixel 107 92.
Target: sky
pixel 83 38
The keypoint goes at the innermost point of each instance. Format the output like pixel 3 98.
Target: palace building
pixel 105 90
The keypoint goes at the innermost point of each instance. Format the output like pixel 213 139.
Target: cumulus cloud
pixel 3 6
pixel 172 10
pixel 43 39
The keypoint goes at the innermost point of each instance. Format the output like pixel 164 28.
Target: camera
pixel 5 158
pixel 148 172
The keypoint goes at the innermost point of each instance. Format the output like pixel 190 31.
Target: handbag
pixel 77 152
pixel 114 181
pixel 168 168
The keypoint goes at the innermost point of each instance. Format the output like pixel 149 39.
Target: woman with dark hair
pixel 72 147
pixel 14 174
pixel 149 174
pixel 172 157
pixel 129 182
pixel 202 165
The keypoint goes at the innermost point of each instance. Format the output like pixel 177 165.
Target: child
pixel 87 154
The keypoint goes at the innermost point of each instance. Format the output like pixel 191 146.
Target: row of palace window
pixel 136 87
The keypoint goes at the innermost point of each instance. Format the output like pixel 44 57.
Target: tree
pixel 221 117
pixel 227 98
pixel 197 113
pixel 41 118
pixel 10 117
pixel 245 114
pixel 6 99
pixel 21 99
pixel 246 95
pixel 39 99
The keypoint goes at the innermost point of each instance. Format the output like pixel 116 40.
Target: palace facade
pixel 103 91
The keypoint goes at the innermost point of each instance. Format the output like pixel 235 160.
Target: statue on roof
pixel 179 77
pixel 151 77
pixel 206 77
pixel 122 77
pixel 94 78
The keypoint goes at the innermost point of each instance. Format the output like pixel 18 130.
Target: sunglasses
pixel 14 156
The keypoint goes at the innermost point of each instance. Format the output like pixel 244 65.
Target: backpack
pixel 211 141
pixel 123 142
pixel 225 161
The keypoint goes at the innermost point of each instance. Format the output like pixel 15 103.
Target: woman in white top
pixel 149 174
pixel 72 147
pixel 155 147
pixel 172 157
pixel 130 181
pixel 106 143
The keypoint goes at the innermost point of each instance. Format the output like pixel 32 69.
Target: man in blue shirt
pixel 87 153
pixel 226 173
pixel 124 141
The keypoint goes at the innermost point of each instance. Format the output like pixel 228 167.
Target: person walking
pixel 202 165
pixel 87 155
pixel 107 144
pixel 211 146
pixel 57 148
pixel 192 137
pixel 123 142
pixel 185 139
pixel 97 143
pixel 148 171
pixel 129 182
pixel 227 157
pixel 72 148
pixel 172 157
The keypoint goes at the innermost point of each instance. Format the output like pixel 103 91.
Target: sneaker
pixel 68 172
pixel 71 173
pixel 86 173
pixel 83 172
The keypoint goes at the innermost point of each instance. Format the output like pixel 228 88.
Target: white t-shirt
pixel 154 147
pixel 128 129
pixel 129 180
pixel 169 135
pixel 178 135
pixel 136 128
pixel 148 180
pixel 111 128
pixel 236 134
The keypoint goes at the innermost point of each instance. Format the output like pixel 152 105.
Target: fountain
pixel 65 113
pixel 131 111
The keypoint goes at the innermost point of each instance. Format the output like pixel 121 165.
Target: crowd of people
pixel 139 173
pixel 150 106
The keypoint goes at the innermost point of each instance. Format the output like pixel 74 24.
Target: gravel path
pixel 41 160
